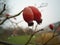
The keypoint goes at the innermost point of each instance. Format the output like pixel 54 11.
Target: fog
pixel 49 9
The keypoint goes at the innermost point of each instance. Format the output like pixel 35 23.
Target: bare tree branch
pixel 5 43
pixel 3 21
pixel 16 15
pixel 54 44
pixel 32 36
pixel 3 9
pixel 50 39
pixel 10 17
pixel 37 32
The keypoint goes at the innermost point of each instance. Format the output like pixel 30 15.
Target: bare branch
pixel 3 9
pixel 3 21
pixel 32 36
pixel 37 32
pixel 16 14
pixel 54 44
pixel 50 39
pixel 10 17
pixel 5 43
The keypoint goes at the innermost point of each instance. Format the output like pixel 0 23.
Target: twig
pixel 16 14
pixel 29 39
pixel 15 29
pixel 50 39
pixel 5 43
pixel 32 36
pixel 54 44
pixel 3 21
pixel 10 17
pixel 3 9
pixel 36 27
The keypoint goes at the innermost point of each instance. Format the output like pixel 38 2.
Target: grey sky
pixel 50 13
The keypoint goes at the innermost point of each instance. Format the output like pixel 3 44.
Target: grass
pixel 18 39
pixel 22 39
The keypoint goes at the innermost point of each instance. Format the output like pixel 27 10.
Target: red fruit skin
pixel 37 14
pixel 28 15
pixel 51 26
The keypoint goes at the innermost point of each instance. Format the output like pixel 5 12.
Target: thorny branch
pixel 5 43
pixel 32 36
pixel 10 17
pixel 51 39
pixel 54 44
pixel 44 43
pixel 3 9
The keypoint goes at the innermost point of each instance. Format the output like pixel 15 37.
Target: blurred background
pixel 16 30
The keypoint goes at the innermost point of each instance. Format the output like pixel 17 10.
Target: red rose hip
pixel 37 14
pixel 28 16
pixel 51 26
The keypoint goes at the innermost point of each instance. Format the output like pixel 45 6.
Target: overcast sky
pixel 50 13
